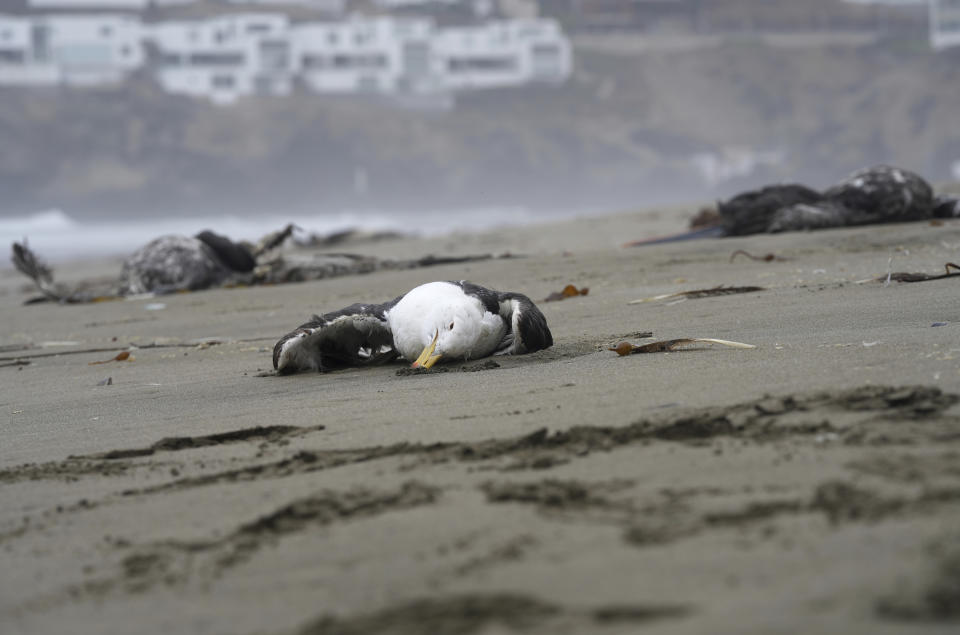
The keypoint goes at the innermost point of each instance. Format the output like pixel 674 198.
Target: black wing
pixel 488 297
pixel 354 336
pixel 528 326
pixel 233 255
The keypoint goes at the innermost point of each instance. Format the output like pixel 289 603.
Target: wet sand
pixel 809 484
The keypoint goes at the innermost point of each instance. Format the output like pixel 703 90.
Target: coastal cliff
pixel 635 125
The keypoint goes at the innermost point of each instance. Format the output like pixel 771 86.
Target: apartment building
pixel 365 55
pixel 229 56
pixel 223 58
pixel 944 23
pixel 500 54
pixel 75 50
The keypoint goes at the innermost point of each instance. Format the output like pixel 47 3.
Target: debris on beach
pixel 179 264
pixel 699 293
pixel 569 291
pixel 902 276
pixel 18 363
pixel 123 356
pixel 352 235
pixel 879 194
pixel 32 266
pixel 771 257
pixel 665 346
pixel 706 217
pixel 105 382
pixel 869 196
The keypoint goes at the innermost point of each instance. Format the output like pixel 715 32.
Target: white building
pixel 81 5
pixel 229 56
pixel 78 50
pixel 104 5
pixel 500 54
pixel 327 6
pixel 25 57
pixel 523 9
pixel 380 55
pixel 944 23
pixel 94 49
pixel 224 58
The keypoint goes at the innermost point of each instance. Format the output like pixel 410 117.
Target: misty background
pixel 668 101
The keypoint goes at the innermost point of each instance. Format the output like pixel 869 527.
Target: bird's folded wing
pixel 354 336
pixel 528 327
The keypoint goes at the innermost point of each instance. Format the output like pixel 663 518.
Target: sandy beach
pixel 811 484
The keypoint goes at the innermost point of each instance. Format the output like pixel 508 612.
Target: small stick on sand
pixel 626 348
pixel 902 276
pixel 699 293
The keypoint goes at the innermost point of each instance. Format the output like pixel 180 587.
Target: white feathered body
pixel 465 328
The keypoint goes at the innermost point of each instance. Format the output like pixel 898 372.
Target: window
pixel 547 60
pixel 368 84
pixel 11 56
pixel 546 50
pixel 106 31
pixel 222 81
pixel 313 62
pixel 369 60
pixel 490 64
pixel 216 59
pixel 546 55
pixel 416 56
pixel 40 42
pixel 263 85
pixel 274 55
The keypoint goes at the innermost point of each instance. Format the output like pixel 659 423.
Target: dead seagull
pixel 437 320
pixel 167 264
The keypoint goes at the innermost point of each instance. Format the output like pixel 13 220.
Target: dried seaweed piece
pixel 699 293
pixel 706 217
pixel 903 276
pixel 123 356
pixel 569 291
pixel 771 257
pixel 665 346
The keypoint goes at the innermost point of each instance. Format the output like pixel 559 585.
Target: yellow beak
pixel 427 358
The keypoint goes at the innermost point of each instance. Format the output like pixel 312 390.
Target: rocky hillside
pixel 633 126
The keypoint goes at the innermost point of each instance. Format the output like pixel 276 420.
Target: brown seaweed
pixel 569 291
pixel 771 257
pixel 123 356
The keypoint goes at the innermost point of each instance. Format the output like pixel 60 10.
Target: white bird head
pixel 448 331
